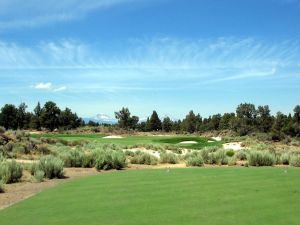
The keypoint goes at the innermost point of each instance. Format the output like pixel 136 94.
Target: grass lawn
pixel 210 196
pixel 132 140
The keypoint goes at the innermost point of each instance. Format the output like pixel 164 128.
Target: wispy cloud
pixel 32 13
pixel 163 62
pixel 46 86
pixel 49 87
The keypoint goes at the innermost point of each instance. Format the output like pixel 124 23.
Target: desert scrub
pixel 168 158
pixel 241 155
pixel 144 158
pixel 261 158
pixel 10 171
pixel 285 158
pixel 1 187
pixel 108 159
pixel 295 160
pixel 52 166
pixel 72 158
pixel 39 175
pixel 194 159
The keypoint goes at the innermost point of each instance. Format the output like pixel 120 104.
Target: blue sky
pixel 96 56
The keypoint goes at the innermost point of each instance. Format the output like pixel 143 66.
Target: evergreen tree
pixel 50 116
pixel 167 124
pixel 8 117
pixel 154 122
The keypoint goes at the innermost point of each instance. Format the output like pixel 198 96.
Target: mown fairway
pixel 210 196
pixel 136 140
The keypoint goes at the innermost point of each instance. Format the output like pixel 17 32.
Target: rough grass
pixel 177 196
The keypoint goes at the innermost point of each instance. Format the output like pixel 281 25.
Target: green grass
pixel 210 196
pixel 133 140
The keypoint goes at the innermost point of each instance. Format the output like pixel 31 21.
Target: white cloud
pixel 32 13
pixel 46 86
pixel 62 88
pixel 49 87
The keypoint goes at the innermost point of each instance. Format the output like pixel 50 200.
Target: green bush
pixel 261 158
pixel 1 186
pixel 195 159
pixel 144 158
pixel 108 159
pixel 230 153
pixel 88 160
pixel 52 166
pixel 168 158
pixel 285 158
pixel 39 175
pixel 295 160
pixel 241 155
pixel 10 171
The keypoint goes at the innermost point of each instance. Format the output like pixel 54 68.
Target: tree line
pixel 49 116
pixel 246 119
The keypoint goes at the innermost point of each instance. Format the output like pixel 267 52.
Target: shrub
pixel 1 186
pixel 88 160
pixel 232 161
pixel 51 166
pixel 43 148
pixel 221 157
pixel 108 159
pixel 39 175
pixel 144 158
pixel 295 160
pixel 10 171
pixel 195 159
pixel 241 155
pixel 260 158
pixel 230 153
pixel 168 158
pixel 285 158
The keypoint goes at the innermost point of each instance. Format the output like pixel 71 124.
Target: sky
pixel 96 56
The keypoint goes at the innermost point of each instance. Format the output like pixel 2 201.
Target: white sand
pixel 188 142
pixel 217 138
pixel 210 141
pixel 113 137
pixel 233 145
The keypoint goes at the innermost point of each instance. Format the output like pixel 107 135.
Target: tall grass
pixel 171 158
pixel 194 159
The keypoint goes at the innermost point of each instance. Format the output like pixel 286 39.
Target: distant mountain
pixel 101 119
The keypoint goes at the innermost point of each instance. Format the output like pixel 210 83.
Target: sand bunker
pixel 188 142
pixel 113 137
pixel 233 145
pixel 210 141
pixel 217 138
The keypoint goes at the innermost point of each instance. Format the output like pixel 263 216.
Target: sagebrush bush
pixel 1 187
pixel 88 160
pixel 10 171
pixel 39 175
pixel 144 158
pixel 43 148
pixel 261 158
pixel 285 158
pixel 52 166
pixel 109 159
pixel 241 155
pixel 169 158
pixel 194 159
pixel 232 161
pixel 295 160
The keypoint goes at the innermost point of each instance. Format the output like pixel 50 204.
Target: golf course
pixel 177 196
